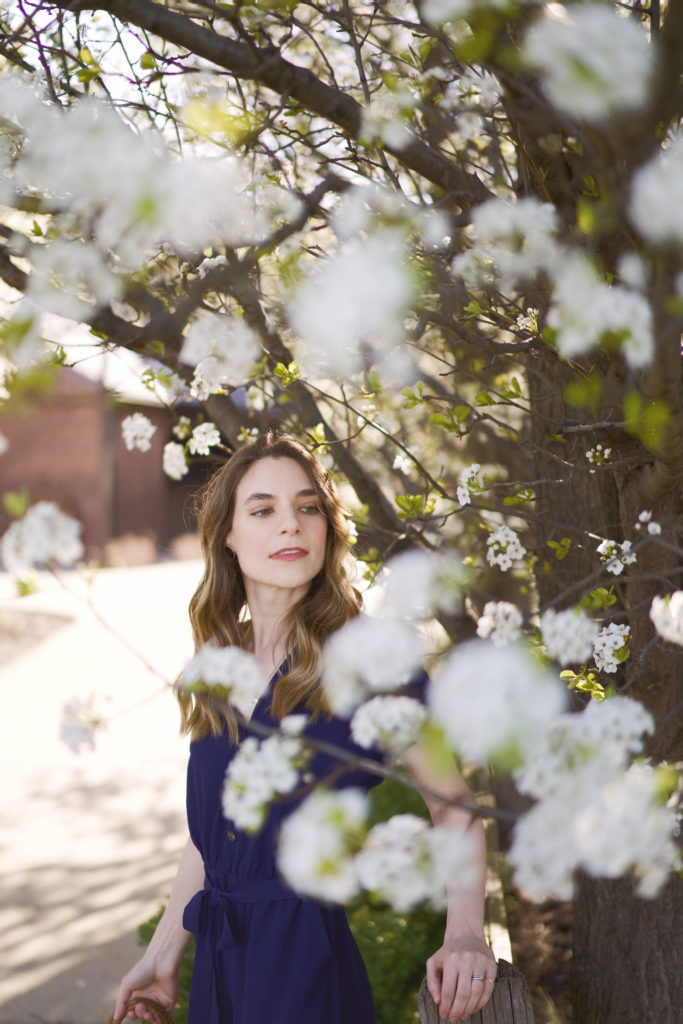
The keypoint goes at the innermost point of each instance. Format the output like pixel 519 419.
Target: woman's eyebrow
pixel 262 496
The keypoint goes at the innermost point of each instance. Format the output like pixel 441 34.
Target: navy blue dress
pixel 263 954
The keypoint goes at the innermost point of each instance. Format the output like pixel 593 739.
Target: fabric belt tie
pixel 209 916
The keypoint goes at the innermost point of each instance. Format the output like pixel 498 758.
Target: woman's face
pixel 278 530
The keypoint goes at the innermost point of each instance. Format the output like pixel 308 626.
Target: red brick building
pixel 66 447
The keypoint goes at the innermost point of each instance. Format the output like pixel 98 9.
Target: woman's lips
pixel 289 554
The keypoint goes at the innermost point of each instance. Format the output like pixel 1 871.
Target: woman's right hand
pixel 151 979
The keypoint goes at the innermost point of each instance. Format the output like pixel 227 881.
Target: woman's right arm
pixel 156 973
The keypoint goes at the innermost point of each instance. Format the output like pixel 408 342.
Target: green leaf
pixel 585 393
pixel 148 61
pixel 287 374
pixel 483 398
pixel 599 599
pixel 524 494
pixel 16 502
pixel 562 549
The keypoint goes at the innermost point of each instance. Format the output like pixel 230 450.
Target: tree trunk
pixel 627 962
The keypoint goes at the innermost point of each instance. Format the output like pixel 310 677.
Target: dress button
pixel 232 836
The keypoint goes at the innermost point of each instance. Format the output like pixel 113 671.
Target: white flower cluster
pixel 512 242
pixel 568 635
pixel 389 723
pixel 137 431
pixel 611 642
pixel 417 584
pixel 528 321
pixel 69 278
pixel 203 437
pixel 81 719
pixel 468 479
pixel 598 455
pixel 657 195
pixel 183 428
pixel 45 535
pixel 368 656
pixel 503 547
pixel 585 312
pixel 258 772
pixel 226 671
pixel 500 622
pixel 406 863
pixel 318 841
pixel 645 519
pixel 128 189
pixel 174 461
pixel 491 702
pixel 358 298
pixel 593 62
pixel 592 812
pixel 616 556
pixel 667 615
pixel 385 116
pixel 475 87
pixel 222 349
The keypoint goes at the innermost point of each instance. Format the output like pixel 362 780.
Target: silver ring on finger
pixel 477 977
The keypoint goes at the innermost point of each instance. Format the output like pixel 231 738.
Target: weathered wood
pixel 509 1004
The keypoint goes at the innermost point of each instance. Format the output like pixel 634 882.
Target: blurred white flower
pixel 615 557
pixel 228 672
pixel 203 437
pixel 407 863
pixel 503 547
pixel 389 723
pixel 500 622
pixel 593 62
pixel 568 635
pixel 71 279
pixel 257 773
pixel 417 584
pixel 384 118
pixel 512 242
pixel 317 843
pixel 137 430
pixel 493 702
pixel 667 615
pixel 657 195
pixel 611 641
pixel 81 719
pixel 44 535
pixel 223 349
pixel 174 461
pixel 354 304
pixel 4 444
pixel 368 656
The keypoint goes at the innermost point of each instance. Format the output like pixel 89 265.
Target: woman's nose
pixel 290 522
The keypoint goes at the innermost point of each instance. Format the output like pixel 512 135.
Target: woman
pixel 275 544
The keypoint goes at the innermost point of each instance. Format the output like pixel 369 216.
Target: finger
pixel 450 985
pixel 434 980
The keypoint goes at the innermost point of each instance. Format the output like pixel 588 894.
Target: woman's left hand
pixel 460 976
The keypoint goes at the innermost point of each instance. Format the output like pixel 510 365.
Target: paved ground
pixel 88 842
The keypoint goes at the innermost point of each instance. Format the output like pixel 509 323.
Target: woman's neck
pixel 268 609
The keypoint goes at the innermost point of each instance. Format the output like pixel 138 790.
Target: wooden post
pixel 509 1004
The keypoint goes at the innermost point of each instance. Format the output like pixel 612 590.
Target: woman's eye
pixel 310 509
pixel 261 512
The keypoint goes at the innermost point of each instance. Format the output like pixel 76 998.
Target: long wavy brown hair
pixel 218 609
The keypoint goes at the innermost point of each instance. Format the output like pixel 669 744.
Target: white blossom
pixel 403 463
pixel 81 719
pixel 368 656
pixel 317 843
pixel 586 312
pixel 593 62
pixel 257 773
pixel 182 429
pixel 568 635
pixel 598 455
pixel 174 461
pixel 137 430
pixel 657 195
pixel 203 437
pixel 44 535
pixel 528 321
pixel 667 615
pixel 645 519
pixel 4 444
pixel 492 702
pixel 223 349
pixel 228 672
pixel 469 478
pixel 417 584
pixel 200 389
pixel 513 241
pixel 407 863
pixel 616 556
pixel 611 641
pixel 503 547
pixel 469 124
pixel 356 299
pixel 388 723
pixel 384 118
pixel 71 279
pixel 500 622
pixel 209 263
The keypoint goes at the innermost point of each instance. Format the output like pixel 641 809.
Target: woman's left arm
pixel 461 973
